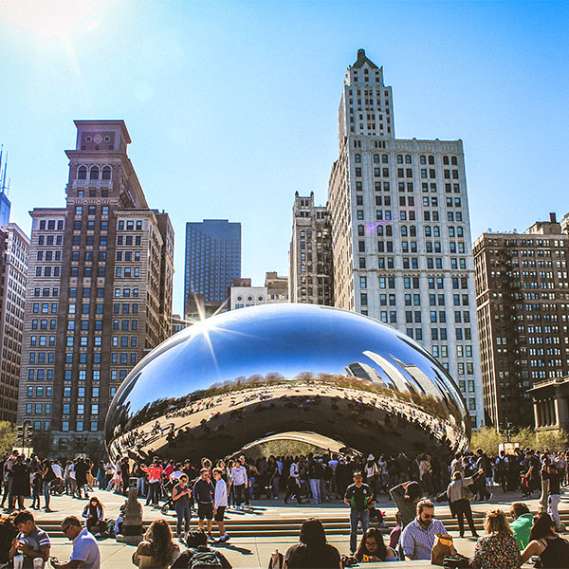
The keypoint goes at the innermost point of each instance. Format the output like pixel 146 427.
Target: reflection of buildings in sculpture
pixel 390 370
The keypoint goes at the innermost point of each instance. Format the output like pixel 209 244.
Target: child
pixel 37 481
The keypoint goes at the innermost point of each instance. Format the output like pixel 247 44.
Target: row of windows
pixel 51 224
pixel 95 173
pixel 40 374
pixel 50 240
pixel 91 210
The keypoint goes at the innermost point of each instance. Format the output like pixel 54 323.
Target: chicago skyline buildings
pixel 99 288
pixel 375 125
pixel 212 260
pixel 401 230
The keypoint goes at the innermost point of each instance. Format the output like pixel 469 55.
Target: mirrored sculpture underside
pixel 254 372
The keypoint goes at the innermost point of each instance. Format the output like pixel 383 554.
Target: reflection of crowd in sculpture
pixel 207 410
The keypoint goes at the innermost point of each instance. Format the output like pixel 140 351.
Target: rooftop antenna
pixel 4 172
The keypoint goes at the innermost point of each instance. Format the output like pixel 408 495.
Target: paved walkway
pixel 276 509
pixel 241 552
pixel 249 552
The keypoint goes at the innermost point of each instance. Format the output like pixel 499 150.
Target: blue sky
pixel 232 106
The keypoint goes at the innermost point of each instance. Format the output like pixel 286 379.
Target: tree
pixel 42 443
pixel 7 437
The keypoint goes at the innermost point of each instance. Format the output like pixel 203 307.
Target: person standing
pixel 551 474
pixel 501 468
pixel 360 498
pixel 220 503
pixel 181 496
pixel 154 474
pixel 315 478
pixel 239 482
pixel 48 476
pixel 20 483
pixel 459 503
pixel 203 494
pixel 85 553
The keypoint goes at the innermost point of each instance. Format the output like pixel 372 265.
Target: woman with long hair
pixel 373 548
pixel 312 551
pixel 94 515
pixel 545 542
pixel 158 550
pixel 498 549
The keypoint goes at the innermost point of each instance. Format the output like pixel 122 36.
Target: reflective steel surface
pixel 253 372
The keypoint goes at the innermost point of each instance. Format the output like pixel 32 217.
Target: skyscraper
pixel 99 291
pixel 14 246
pixel 213 260
pixel 310 253
pixel 522 292
pixel 401 230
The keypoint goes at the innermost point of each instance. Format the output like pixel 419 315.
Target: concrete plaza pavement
pixel 252 552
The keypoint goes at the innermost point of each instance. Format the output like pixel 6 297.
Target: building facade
pixel 99 289
pixel 14 247
pixel 401 230
pixel 242 294
pixel 522 294
pixel 310 253
pixel 212 260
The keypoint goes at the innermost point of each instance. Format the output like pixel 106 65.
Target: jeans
pixel 553 509
pixel 355 518
pixel 315 489
pixel 140 486
pixel 239 494
pixel 46 494
pixel 153 493
pixel 184 515
pixel 462 509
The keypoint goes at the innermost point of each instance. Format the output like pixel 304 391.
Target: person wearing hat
pixel 371 471
pixel 360 499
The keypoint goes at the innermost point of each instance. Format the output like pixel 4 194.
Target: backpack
pixel 205 560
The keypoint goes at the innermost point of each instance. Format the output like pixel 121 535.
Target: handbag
pixel 441 548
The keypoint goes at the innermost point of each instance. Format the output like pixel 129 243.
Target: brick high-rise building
pixel 522 293
pixel 310 254
pixel 14 245
pixel 401 230
pixel 99 290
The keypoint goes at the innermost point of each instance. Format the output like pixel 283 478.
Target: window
pixel 107 173
pixel 94 173
pixel 82 173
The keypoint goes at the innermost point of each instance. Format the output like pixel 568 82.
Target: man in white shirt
pixel 220 503
pixel 85 553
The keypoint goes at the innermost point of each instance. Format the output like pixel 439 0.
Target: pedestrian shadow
pixel 231 547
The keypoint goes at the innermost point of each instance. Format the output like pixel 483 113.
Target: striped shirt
pixel 417 541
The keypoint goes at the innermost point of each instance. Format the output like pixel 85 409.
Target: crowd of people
pixel 208 489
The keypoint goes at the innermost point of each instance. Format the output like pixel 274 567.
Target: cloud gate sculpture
pixel 251 373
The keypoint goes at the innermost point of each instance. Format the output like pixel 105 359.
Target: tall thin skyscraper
pixel 99 290
pixel 213 260
pixel 401 231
